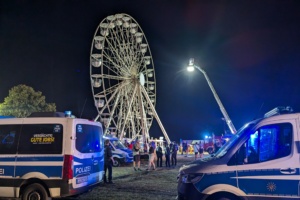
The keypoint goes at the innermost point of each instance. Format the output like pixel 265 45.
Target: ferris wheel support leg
pixel 162 127
pixel 97 117
pixel 156 116
pixel 145 130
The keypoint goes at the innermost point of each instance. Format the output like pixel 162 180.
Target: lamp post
pixel 191 67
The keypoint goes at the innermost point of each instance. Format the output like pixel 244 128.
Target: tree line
pixel 23 100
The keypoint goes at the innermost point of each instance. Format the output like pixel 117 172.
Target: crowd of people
pixel 198 149
pixel 156 152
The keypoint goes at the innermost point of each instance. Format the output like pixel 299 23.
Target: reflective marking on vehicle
pixel 32 163
pixel 283 177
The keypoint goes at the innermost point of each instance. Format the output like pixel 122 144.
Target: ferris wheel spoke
pixel 117 47
pixel 118 60
pixel 118 44
pixel 112 111
pixel 111 65
pixel 126 49
pixel 127 114
pixel 113 94
pixel 143 64
pixel 110 90
pixel 107 76
pixel 126 39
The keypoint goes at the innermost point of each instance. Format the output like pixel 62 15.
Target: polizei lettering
pixel 81 170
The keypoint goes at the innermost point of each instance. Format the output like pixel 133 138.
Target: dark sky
pixel 249 49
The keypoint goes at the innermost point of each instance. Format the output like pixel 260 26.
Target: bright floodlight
pixel 191 67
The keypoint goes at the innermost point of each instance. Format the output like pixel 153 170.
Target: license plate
pixel 81 180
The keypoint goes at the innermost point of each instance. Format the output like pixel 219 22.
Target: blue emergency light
pixel 68 113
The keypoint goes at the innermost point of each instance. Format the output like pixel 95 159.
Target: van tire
pixel 34 191
pixel 223 196
pixel 116 163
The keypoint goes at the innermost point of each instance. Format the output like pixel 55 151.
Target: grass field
pixel 143 185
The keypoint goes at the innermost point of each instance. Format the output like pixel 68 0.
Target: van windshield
pixel 117 144
pixel 224 149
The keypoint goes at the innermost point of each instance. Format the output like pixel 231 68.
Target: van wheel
pixel 34 192
pixel 223 196
pixel 116 163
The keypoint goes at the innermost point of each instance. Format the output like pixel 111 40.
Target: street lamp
pixel 191 67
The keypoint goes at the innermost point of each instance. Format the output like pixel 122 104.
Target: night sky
pixel 249 49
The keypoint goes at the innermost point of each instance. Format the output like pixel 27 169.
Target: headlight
pixel 191 178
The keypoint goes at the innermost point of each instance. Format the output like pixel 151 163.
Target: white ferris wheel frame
pixel 123 78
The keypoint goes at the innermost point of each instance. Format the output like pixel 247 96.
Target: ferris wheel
pixel 123 78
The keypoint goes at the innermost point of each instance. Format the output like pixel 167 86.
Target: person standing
pixel 174 154
pixel 151 157
pixel 185 148
pixel 108 162
pixel 159 156
pixel 181 149
pixel 167 154
pixel 196 150
pixel 130 146
pixel 201 149
pixel 136 155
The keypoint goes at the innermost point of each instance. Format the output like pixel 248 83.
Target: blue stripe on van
pixel 37 158
pixel 11 159
pixel 26 165
pixel 49 171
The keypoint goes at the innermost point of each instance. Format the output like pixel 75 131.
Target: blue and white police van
pixel 42 156
pixel 261 161
pixel 121 154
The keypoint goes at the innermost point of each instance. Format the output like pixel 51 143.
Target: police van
pixel 120 153
pixel 261 161
pixel 42 156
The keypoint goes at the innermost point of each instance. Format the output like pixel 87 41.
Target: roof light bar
pixel 279 110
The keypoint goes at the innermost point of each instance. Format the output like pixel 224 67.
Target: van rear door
pixel 88 155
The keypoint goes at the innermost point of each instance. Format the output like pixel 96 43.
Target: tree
pixel 23 100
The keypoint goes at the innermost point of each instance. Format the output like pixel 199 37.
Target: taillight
pixel 68 167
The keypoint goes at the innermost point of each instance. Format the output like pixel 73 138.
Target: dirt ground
pixel 143 185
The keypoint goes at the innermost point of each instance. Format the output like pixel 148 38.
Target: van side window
pixel 9 135
pixel 41 139
pixel 267 143
pixel 88 138
pixel 275 141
